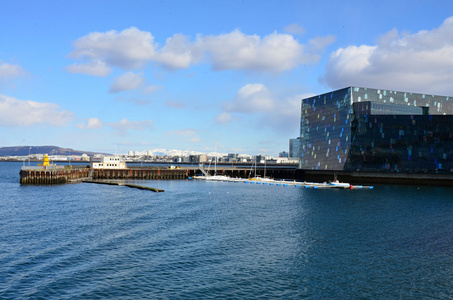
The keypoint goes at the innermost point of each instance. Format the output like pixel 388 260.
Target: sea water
pixel 205 240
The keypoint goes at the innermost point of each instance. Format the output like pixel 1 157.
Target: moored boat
pixel 336 183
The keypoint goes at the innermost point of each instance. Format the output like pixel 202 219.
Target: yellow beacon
pixel 45 161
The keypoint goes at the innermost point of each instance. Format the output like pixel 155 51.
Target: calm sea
pixel 205 240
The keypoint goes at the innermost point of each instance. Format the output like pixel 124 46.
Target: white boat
pixel 236 179
pixel 336 183
pixel 261 179
pixel 216 178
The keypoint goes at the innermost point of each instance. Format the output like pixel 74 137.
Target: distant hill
pixel 51 150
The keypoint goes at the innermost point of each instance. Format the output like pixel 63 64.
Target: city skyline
pixel 113 76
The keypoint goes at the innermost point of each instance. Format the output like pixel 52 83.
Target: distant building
pixel 294 148
pixel 363 129
pixel 109 162
pixel 259 159
pixel 233 157
pixel 198 158
pixel 283 154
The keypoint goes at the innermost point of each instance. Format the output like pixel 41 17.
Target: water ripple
pixel 223 240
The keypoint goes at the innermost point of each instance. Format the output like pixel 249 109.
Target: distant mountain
pixel 173 152
pixel 51 150
pixel 55 150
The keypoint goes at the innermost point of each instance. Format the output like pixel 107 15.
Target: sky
pixel 115 76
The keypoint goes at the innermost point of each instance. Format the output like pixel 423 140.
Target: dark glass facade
pixel 294 147
pixel 363 129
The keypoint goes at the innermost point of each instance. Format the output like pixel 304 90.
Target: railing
pixel 200 166
pixel 52 167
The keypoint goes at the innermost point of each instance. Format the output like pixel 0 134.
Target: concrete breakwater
pixel 141 173
pixel 53 175
pixel 68 174
pixel 140 187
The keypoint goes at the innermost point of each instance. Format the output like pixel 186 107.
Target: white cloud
pixel 420 62
pixel 8 71
pixel 151 89
pixel 185 135
pixel 295 29
pixel 132 49
pixel 136 101
pixel 251 98
pixel 279 113
pixel 275 52
pixel 318 44
pixel 14 112
pixel 91 123
pixel 94 68
pixel 122 127
pixel 178 53
pixel 224 118
pixel 286 115
pixel 127 81
pixel 128 49
pixel 175 104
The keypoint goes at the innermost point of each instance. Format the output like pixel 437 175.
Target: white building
pixel 109 162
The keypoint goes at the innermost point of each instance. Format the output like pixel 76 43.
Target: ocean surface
pixel 219 240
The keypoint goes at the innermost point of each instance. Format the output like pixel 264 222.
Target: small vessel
pixel 261 179
pixel 216 178
pixel 336 183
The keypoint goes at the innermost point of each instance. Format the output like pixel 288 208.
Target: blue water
pixel 223 240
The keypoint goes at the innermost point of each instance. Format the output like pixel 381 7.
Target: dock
pixel 141 187
pixel 49 175
pixel 358 180
pixel 303 184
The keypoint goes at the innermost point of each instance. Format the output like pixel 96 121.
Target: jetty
pixel 267 181
pixel 141 187
pixel 110 168
pixel 48 175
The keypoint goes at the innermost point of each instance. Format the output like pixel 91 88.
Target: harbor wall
pixel 141 173
pixel 356 178
pixel 43 176
pixel 272 172
pixel 373 178
pixel 66 175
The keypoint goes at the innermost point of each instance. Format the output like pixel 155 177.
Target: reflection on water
pixel 223 240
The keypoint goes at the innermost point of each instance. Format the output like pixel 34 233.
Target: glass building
pixel 294 147
pixel 363 129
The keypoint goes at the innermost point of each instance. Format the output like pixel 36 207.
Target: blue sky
pixel 143 75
